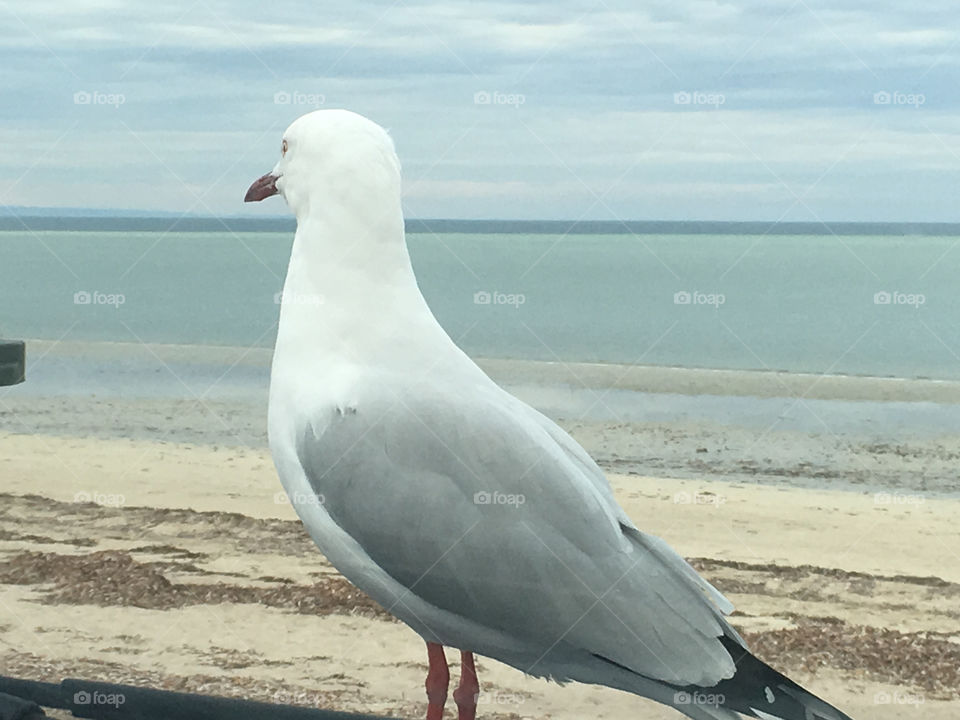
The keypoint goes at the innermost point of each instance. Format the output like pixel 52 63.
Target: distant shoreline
pixel 602 376
pixel 17 221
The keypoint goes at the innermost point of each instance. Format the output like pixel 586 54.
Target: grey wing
pixel 667 554
pixel 473 505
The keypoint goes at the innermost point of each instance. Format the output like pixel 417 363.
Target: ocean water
pixel 861 305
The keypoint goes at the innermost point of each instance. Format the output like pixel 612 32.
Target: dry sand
pixel 178 565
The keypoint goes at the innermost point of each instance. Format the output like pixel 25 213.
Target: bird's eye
pixel 283 148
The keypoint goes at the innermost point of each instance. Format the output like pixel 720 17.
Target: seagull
pixel 464 512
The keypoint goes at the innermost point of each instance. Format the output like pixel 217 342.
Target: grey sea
pixel 857 305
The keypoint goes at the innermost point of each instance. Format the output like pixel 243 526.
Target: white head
pixel 334 163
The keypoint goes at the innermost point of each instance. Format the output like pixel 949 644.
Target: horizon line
pixel 53 218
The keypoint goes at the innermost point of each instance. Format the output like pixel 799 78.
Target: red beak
pixel 262 188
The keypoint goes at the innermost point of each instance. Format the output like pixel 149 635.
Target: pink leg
pixel 466 693
pixel 438 679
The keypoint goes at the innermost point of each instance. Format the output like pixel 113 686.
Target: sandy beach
pixel 146 540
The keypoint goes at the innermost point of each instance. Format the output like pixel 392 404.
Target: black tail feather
pixel 760 691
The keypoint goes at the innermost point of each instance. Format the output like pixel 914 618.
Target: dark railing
pixel 23 700
pixel 12 362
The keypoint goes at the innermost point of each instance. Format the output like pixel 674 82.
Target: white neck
pixel 351 296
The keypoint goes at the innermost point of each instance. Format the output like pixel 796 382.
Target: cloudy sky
pixel 681 109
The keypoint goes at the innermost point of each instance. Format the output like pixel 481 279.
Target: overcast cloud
pixel 658 110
